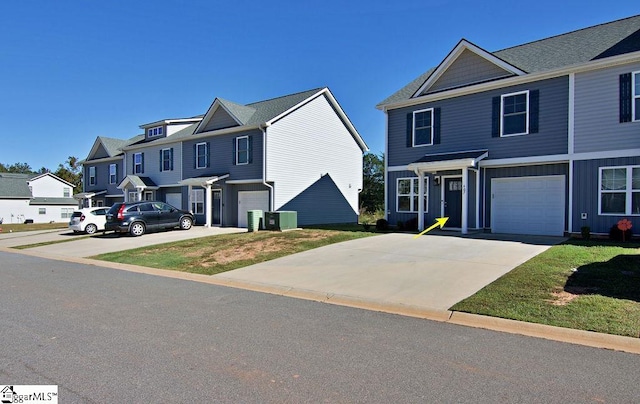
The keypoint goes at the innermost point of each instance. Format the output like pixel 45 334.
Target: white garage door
pixel 251 200
pixel 528 205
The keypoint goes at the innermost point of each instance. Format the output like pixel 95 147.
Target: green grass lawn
pixel 593 286
pixel 17 227
pixel 216 254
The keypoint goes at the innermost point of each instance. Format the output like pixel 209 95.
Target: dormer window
pixel 153 132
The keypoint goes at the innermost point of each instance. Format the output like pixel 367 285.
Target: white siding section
pixel 49 187
pixel 308 143
pixel 15 210
pixel 171 129
pixel 152 164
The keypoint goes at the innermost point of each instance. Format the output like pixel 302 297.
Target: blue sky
pixel 74 70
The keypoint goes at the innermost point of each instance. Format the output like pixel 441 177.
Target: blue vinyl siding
pixel 466 124
pixel 597 115
pixel 525 171
pixel 586 194
pixel 102 177
pixel 222 157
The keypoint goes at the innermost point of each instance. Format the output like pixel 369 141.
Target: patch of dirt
pixel 562 297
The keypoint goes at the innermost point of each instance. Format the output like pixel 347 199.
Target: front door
pixel 453 201
pixel 216 208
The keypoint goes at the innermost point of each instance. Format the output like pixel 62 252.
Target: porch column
pixel 208 206
pixel 189 188
pixel 421 200
pixel 465 200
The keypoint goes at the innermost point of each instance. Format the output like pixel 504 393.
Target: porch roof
pixel 203 181
pixel 448 161
pixel 138 182
pixel 87 195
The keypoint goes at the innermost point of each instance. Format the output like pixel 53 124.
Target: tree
pixel 372 195
pixel 71 172
pixel 19 168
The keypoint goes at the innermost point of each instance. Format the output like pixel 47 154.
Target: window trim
pixel 413 128
pixel 199 193
pixel 92 175
pixel 411 195
pixel 628 191
pixel 155 131
pixel 42 211
pixel 527 114
pixel 635 115
pixel 66 192
pixel 113 176
pixel 238 163
pixel 204 145
pixel 137 164
pixel 168 160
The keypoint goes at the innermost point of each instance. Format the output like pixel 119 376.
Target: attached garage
pixel 251 200
pixel 528 205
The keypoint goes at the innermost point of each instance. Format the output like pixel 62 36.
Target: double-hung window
pixel 113 173
pixel 197 201
pixel 408 194
pixel 423 127
pixel 92 176
pixel 242 150
pixel 201 155
pixel 138 163
pixel 515 114
pixel 166 159
pixel 65 213
pixel 620 190
pixel 66 192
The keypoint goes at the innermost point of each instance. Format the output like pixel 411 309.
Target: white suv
pixel 88 220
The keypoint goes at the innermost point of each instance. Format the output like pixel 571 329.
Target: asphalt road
pixel 105 335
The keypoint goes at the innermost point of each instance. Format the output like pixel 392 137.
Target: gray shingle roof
pixel 14 186
pixel 53 201
pixel 269 109
pixel 242 112
pixel 604 40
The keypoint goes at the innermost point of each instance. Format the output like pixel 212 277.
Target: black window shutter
pixel 534 110
pixel 233 153
pixel 171 159
pixel 436 126
pixel 410 129
pixel 142 161
pixel 250 151
pixel 208 154
pixel 625 98
pixel 195 156
pixel 133 164
pixel 161 165
pixel 495 117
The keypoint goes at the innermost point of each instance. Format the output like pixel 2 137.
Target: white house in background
pixel 42 198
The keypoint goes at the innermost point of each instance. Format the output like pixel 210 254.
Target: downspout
pixel 264 166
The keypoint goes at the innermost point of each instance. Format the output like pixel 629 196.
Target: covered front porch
pixel 456 176
pixel 205 197
pixel 136 188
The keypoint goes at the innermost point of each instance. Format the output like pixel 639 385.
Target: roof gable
pixel 14 186
pixel 466 64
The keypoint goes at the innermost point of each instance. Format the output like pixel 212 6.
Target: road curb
pixel 560 334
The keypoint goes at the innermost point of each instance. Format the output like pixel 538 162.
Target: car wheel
pixel 137 229
pixel 186 223
pixel 91 228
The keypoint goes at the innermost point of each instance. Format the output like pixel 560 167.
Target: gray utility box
pixel 253 220
pixel 281 220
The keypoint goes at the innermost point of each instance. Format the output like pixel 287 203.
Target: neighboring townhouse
pixel 541 138
pixel 298 152
pixel 40 198
pixel 103 170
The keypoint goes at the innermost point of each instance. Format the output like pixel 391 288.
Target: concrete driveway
pixel 432 271
pixel 79 245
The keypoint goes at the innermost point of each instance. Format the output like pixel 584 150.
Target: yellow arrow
pixel 439 222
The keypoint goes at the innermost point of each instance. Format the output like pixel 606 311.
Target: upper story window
pixel 423 127
pixel 201 155
pixel 408 192
pixel 166 159
pixel 242 150
pixel 138 163
pixel 113 173
pixel 66 192
pixel 157 131
pixel 620 190
pixel 515 114
pixel 92 176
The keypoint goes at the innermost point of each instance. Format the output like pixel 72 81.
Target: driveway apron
pixel 431 271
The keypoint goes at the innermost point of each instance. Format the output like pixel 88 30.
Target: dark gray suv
pixel 136 218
